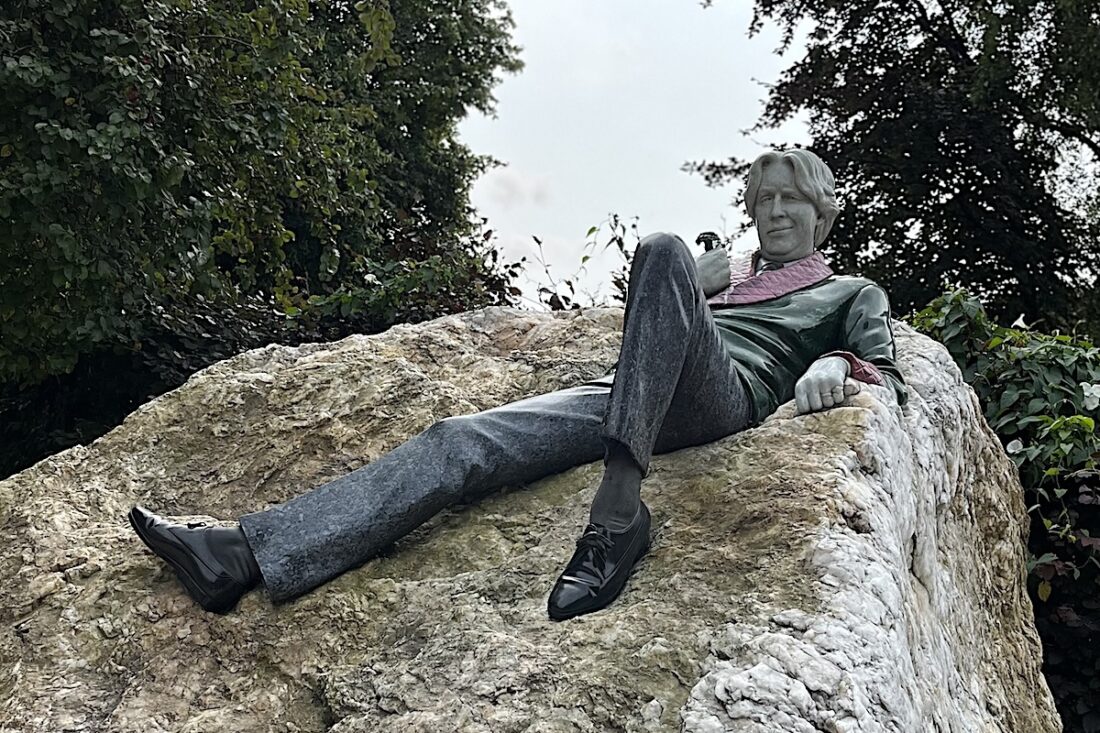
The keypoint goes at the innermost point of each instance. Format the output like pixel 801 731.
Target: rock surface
pixel 859 569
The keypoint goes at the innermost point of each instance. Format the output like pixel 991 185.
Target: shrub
pixel 1040 394
pixel 300 152
pixel 182 180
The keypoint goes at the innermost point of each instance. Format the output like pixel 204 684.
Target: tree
pixel 963 136
pixel 300 154
pixel 181 180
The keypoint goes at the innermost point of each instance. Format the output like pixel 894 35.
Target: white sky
pixel 615 97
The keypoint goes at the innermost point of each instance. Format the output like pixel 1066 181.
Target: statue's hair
pixel 812 177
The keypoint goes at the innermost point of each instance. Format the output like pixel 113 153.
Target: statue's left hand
pixel 713 268
pixel 825 384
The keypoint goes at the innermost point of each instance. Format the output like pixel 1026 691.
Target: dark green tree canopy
pixel 961 136
pixel 299 152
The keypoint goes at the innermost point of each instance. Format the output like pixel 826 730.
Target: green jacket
pixel 773 341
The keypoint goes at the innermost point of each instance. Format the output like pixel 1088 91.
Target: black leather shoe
pixel 215 564
pixel 598 570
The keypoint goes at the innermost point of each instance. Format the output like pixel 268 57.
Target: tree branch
pixel 1069 129
pixel 955 46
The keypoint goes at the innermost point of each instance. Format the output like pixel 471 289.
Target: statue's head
pixel 791 199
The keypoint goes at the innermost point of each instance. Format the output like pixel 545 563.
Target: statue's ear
pixel 818 239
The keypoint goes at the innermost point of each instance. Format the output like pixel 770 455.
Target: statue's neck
pixel 760 260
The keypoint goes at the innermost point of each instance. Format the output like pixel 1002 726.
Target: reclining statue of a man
pixel 710 347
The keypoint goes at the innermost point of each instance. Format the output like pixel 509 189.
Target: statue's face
pixel 785 217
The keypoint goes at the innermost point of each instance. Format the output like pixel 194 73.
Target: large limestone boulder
pixel 859 569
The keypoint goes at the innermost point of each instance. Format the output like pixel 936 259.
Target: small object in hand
pixel 709 240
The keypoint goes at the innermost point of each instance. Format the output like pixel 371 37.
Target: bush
pixel 181 181
pixel 1041 394
pixel 298 152
pixel 181 338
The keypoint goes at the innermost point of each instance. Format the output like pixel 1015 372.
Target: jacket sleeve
pixel 869 341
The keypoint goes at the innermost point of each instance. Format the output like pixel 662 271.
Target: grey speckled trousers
pixel 675 386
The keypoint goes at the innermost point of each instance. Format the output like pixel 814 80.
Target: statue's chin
pixel 784 252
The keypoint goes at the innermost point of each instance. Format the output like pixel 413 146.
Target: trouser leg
pixel 675 384
pixel 339 525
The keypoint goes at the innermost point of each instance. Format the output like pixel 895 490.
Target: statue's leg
pixel 339 525
pixel 675 384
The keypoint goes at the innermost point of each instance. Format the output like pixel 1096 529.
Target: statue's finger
pixel 851 387
pixel 814 399
pixel 838 394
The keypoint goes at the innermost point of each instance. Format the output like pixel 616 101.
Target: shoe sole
pixel 193 588
pixel 615 595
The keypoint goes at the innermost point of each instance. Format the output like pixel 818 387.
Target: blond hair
pixel 811 176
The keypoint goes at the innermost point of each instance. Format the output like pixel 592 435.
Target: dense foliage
pixel 183 179
pixel 961 137
pixel 1041 395
pixel 153 151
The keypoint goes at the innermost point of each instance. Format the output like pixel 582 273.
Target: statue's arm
pixel 869 342
pixel 713 269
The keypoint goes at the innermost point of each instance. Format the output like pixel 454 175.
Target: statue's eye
pixel 767 197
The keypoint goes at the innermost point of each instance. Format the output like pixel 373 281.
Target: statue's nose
pixel 778 210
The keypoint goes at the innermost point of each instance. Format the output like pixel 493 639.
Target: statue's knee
pixel 452 437
pixel 665 242
pixel 449 428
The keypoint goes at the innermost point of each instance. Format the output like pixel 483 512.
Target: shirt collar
pixel 760 262
pixel 748 286
pixel 758 259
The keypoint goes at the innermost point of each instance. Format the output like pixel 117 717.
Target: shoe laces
pixel 597 539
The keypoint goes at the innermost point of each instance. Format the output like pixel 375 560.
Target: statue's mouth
pixel 780 230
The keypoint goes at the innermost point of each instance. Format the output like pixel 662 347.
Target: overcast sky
pixel 615 97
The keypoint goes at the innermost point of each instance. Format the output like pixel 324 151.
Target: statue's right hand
pixel 714 271
pixel 825 384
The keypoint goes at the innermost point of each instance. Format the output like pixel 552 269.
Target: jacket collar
pixel 745 287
